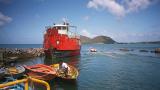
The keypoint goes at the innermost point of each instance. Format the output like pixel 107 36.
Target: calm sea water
pixel 110 68
pixel 21 45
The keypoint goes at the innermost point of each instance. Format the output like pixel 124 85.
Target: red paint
pixel 61 42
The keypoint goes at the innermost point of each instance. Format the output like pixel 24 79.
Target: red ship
pixel 59 41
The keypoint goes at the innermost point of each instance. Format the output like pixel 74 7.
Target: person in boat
pixel 66 68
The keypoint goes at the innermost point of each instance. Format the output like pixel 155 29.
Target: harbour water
pixel 109 68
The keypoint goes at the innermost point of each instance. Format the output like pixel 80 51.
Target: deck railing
pixel 73 35
pixel 26 81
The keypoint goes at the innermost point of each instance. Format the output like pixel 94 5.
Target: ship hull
pixel 62 53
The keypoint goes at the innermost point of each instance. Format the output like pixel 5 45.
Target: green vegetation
pixel 98 39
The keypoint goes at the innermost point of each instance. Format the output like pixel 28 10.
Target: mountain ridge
pixel 98 39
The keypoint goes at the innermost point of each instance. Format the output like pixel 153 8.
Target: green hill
pixel 97 39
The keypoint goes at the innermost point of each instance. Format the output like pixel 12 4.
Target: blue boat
pixel 14 87
pixel 2 72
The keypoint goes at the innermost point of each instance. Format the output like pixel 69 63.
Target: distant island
pixel 108 40
pixel 97 39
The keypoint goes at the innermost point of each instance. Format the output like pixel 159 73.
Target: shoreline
pixel 12 54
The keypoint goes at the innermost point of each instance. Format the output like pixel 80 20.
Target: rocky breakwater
pixel 21 53
pixel 157 50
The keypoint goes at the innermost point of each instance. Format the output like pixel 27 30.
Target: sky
pixel 24 21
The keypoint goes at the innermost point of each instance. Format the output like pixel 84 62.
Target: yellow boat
pixel 16 71
pixel 71 75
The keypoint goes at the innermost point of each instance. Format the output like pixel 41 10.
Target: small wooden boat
pixel 72 72
pixel 12 58
pixel 41 71
pixel 16 71
pixel 2 72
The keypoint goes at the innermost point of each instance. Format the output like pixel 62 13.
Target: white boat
pixel 93 50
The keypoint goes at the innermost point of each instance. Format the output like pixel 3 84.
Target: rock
pixel 11 53
pixel 157 50
pixel 124 49
pixel 143 50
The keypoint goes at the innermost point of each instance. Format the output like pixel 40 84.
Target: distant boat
pixel 72 73
pixel 41 71
pixel 93 50
pixel 59 41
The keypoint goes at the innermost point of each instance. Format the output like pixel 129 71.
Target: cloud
pixel 132 36
pixel 4 19
pixel 111 5
pixel 136 5
pixel 121 8
pixel 86 18
pixel 84 32
pixel 65 19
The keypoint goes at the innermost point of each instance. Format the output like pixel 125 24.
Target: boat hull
pixel 41 76
pixel 72 75
pixel 15 72
pixel 2 72
pixel 62 53
pixel 41 71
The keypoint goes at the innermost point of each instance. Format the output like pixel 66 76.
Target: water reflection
pixel 60 84
pixel 70 60
pixel 57 84
pixel 33 61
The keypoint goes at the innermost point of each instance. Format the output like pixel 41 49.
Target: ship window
pixel 59 28
pixel 64 28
